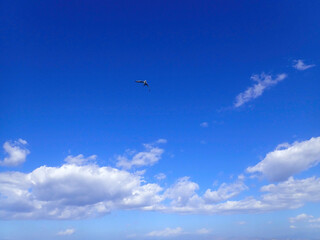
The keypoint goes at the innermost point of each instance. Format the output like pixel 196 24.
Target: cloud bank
pixel 82 189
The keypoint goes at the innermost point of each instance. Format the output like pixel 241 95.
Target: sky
pixel 224 146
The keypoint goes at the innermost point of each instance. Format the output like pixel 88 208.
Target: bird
pixel 144 83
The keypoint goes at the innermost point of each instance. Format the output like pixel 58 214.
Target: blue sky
pixel 225 145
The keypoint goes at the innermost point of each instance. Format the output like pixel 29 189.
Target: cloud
pixel 66 232
pixel 16 151
pixel 167 232
pixel 300 65
pixel 80 159
pixel 73 192
pixel 263 82
pixel 161 140
pixel 224 192
pixel 160 176
pixel 204 124
pixel 86 190
pixel 149 157
pixel 289 159
pixel 304 220
pixel 182 193
pixel 300 217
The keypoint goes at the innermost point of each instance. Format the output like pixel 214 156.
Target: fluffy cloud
pixel 183 193
pixel 72 191
pixel 66 232
pixel 16 151
pixel 149 157
pixel 168 232
pixel 263 82
pixel 300 65
pixel 288 160
pixel 289 194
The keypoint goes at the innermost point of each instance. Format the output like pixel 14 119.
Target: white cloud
pixel 161 140
pixel 263 82
pixel 66 232
pixel 160 176
pixel 290 194
pixel 300 65
pixel 303 220
pixel 204 124
pixel 182 193
pixel 293 226
pixel 72 192
pixel 149 157
pixel 80 159
pixel 300 217
pixel 16 151
pixel 289 160
pixel 224 192
pixel 167 232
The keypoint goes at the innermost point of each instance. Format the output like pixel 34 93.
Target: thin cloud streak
pixel 263 82
pixel 301 66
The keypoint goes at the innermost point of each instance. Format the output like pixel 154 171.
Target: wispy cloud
pixel 224 192
pixel 66 232
pixel 262 82
pixel 287 160
pixel 149 157
pixel 167 232
pixel 80 159
pixel 160 176
pixel 300 65
pixel 204 124
pixel 16 151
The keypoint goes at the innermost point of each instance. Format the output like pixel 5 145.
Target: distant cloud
pixel 224 192
pixel 146 158
pixel 80 159
pixel 66 232
pixel 161 140
pixel 16 151
pixel 160 176
pixel 300 65
pixel 263 82
pixel 204 124
pixel 168 232
pixel 287 160
pixel 300 217
pixel 304 220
